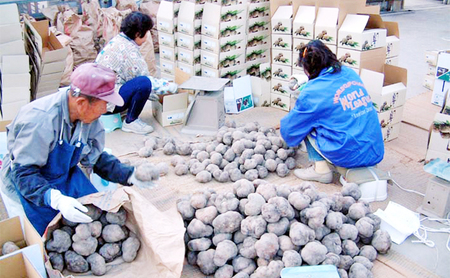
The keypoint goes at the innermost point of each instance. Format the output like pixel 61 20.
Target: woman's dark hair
pixel 136 25
pixel 316 56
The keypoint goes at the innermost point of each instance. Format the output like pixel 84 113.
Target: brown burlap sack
pixel 123 5
pixel 91 16
pixel 150 8
pixel 111 19
pixel 148 53
pixel 83 46
pixel 65 41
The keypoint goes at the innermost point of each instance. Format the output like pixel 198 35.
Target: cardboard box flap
pixel 372 80
pixel 12 231
pixel 392 28
pixel 394 74
pixel 306 14
pixel 375 21
pixel 354 23
pixel 17 266
pixel 327 16
pixel 175 102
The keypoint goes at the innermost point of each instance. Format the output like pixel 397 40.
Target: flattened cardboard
pixel 281 42
pixel 303 26
pixel 282 57
pixel 166 39
pixel 387 90
pixel 165 17
pixel 256 10
pixel 186 17
pixel 281 72
pixel 10 32
pixel 325 28
pixel 258 39
pixel 282 20
pixel 280 101
pixel 362 32
pixel 172 111
pixel 373 59
pixel 18 266
pixel 257 25
pixel 10 14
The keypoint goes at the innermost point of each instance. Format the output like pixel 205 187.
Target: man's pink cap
pixel 96 81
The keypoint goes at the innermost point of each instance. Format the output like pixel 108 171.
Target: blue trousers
pixel 135 94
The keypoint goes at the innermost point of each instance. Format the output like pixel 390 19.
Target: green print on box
pixel 302 32
pixel 230 31
pixel 230 15
pixel 244 103
pixel 230 45
pixel 257 12
pixel 255 54
pixel 231 74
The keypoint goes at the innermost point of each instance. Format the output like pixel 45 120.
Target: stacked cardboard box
pixel 303 32
pixel 439 138
pixel 387 91
pixel 437 78
pixel 47 56
pixel 392 42
pixel 281 57
pixel 189 37
pixel 166 24
pixel 224 40
pixel 362 40
pixel 15 66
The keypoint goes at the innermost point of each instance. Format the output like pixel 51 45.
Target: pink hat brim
pixel 113 98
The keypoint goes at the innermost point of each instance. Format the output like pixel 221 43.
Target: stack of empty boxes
pixel 48 58
pixel 223 40
pixel 362 42
pixel 281 57
pixel 189 38
pixel 438 65
pixel 303 32
pixel 15 66
pixel 166 25
pixel 392 43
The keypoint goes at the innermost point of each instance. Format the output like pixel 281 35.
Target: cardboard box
pixel 282 57
pixel 439 137
pixel 431 70
pixel 167 67
pixel 222 60
pixel 256 53
pixel 189 57
pixel 186 17
pixel 392 39
pixel 431 57
pixel 373 59
pixel 167 53
pixel 392 61
pixel 192 70
pixel 48 45
pixel 282 42
pixel 297 44
pixel 428 82
pixel 440 89
pixel 199 11
pixel 13 95
pixel 325 28
pixel 53 67
pixel 257 10
pixel 224 44
pixel 10 109
pixel 165 17
pixel 362 32
pixel 265 70
pixel 303 26
pixel 390 132
pixel 189 42
pixel 18 266
pixel 10 32
pixel 211 20
pixel 281 72
pixel 51 77
pixel 239 97
pixel 387 90
pixel 172 110
pixel 165 39
pixel 261 96
pixel 12 48
pixel 257 25
pixel 233 12
pixel 258 39
pixel 280 87
pixel 253 67
pixel 230 72
pixel 232 28
pixel 20 231
pixel 15 80
pixel 14 64
pixel 280 101
pixel 10 14
pixel 282 20
pixel 391 116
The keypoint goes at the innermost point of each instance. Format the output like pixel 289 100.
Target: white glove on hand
pixel 142 184
pixel 69 207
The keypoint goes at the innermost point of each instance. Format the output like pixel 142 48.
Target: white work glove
pixel 296 81
pixel 142 184
pixel 69 207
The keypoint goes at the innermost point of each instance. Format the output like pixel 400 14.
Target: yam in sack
pixel 83 46
pixel 160 231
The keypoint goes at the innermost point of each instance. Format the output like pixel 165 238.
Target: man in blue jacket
pixel 50 136
pixel 334 115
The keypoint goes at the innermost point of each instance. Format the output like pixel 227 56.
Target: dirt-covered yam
pixel 217 238
pixel 82 232
pixel 225 251
pixel 57 260
pixel 332 259
pixel 169 148
pixel 290 163
pixel 199 200
pixel 254 204
pixel 113 233
pixel 205 261
pixel 352 190
pixel 254 226
pixel 185 209
pixel 364 261
pixel 183 149
pixel 271 165
pixel 313 253
pixel 109 251
pixel 358 270
pixel 95 228
pixel 242 188
pixel 369 252
pixel 85 247
pixel 181 169
pixel 145 152
pixel 206 215
pixel 130 248
pixel 97 264
pixel 279 228
pixel 282 170
pixel 247 248
pixel 203 176
pixel 333 243
pixel 9 247
pixel 291 258
pixel 301 234
pixel 225 271
pixel 75 262
pixel 119 217
pixel 298 200
pixel 228 222
pixel 197 229
pixel 350 248
pixel 242 264
pixel 93 212
pixel 251 175
pixel 357 211
pixel 334 220
pixel 60 242
pixel 267 246
pixel 348 231
pixel 381 241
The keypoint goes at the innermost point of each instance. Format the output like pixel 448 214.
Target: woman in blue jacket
pixel 334 115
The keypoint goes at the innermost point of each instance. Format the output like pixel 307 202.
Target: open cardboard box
pixel 303 26
pixel 165 17
pixel 325 28
pixel 282 20
pixel 20 231
pixel 373 59
pixel 18 266
pixel 388 89
pixel 392 39
pixel 239 97
pixel 362 32
pixel 439 138
pixel 186 17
